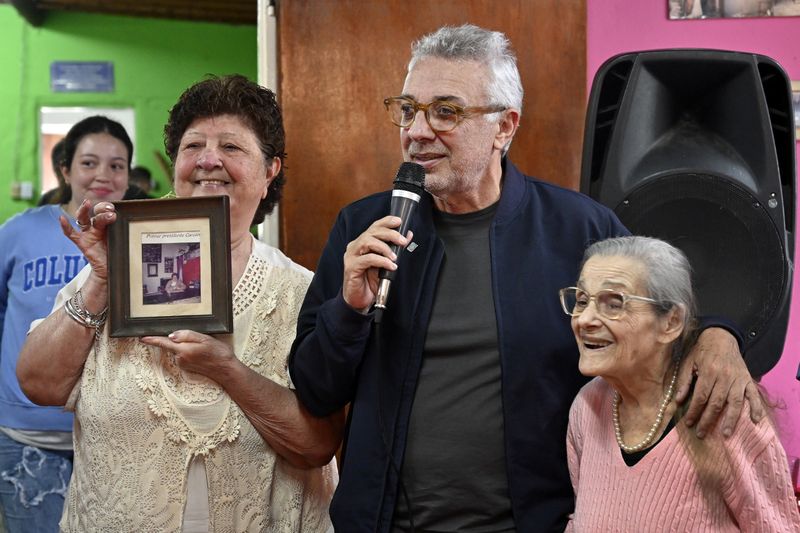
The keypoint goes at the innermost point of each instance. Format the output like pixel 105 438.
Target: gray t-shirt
pixel 454 468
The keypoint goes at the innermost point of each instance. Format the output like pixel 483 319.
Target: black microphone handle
pixel 402 207
pixel 409 184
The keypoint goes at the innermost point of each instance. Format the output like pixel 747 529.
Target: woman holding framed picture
pixel 191 432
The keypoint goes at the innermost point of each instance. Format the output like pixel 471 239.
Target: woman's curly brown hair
pixel 254 105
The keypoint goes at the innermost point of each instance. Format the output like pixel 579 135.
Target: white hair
pixel 667 274
pixel 469 42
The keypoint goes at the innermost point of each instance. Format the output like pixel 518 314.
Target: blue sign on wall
pixel 82 76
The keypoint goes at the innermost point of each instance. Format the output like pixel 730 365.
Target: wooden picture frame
pixel 145 299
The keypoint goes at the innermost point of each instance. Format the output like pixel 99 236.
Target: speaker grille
pixel 731 242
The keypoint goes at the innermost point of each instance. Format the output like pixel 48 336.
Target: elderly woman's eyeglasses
pixel 609 303
pixel 442 116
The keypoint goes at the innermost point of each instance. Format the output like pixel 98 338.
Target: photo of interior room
pixel 171 273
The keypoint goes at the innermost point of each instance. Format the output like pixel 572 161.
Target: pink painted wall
pixel 616 26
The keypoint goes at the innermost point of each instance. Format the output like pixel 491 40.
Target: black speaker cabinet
pixel 696 147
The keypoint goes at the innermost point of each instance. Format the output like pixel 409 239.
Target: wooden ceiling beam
pixel 218 4
pixel 28 10
pixel 239 12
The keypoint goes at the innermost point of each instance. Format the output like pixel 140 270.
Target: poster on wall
pixel 703 9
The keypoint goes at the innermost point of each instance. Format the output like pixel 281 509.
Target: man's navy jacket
pixel 537 240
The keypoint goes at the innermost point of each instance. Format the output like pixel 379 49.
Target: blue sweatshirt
pixel 36 260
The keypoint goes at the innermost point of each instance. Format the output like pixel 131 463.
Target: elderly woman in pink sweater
pixel 634 466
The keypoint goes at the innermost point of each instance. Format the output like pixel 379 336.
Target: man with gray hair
pixel 459 400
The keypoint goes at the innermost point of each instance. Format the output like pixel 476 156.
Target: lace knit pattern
pixel 712 485
pixel 140 419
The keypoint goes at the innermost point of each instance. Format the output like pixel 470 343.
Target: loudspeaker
pixel 696 147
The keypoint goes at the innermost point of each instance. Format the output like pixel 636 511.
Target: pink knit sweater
pixel 683 484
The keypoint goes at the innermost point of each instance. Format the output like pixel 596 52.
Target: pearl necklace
pixel 651 435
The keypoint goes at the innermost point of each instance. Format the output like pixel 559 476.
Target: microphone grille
pixel 410 177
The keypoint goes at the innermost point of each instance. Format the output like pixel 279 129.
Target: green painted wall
pixel 154 61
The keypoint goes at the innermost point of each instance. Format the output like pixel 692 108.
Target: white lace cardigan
pixel 139 420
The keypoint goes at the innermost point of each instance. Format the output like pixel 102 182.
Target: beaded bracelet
pixel 77 311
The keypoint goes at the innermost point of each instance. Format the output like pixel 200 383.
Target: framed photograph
pixel 796 107
pixel 169 267
pixel 703 9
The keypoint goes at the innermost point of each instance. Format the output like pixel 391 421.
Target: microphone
pixel 408 188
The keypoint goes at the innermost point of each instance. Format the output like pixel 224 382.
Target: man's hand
pixel 365 256
pixel 723 383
